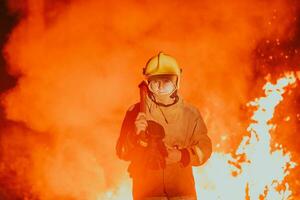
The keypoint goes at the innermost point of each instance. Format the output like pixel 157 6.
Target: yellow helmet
pixel 162 64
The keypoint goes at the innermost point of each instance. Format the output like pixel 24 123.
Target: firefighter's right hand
pixel 140 123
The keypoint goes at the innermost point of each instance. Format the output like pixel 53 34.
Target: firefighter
pixel 184 144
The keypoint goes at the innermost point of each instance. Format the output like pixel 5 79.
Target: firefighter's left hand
pixel 174 155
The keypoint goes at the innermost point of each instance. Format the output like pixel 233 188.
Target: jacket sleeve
pixel 127 139
pixel 200 148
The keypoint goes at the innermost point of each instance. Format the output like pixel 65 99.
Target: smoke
pixel 79 64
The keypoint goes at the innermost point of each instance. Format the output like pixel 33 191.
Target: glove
pixel 156 149
pixel 174 155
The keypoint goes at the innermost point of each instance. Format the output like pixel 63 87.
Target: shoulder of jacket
pixel 192 109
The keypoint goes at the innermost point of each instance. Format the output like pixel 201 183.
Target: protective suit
pixel 184 129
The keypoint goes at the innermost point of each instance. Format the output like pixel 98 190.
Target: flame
pixel 255 171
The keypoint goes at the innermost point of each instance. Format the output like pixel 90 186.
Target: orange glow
pixel 79 62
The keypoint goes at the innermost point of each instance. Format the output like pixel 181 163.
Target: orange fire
pixel 254 171
pixel 78 63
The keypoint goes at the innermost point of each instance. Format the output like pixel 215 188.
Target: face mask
pixel 161 87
